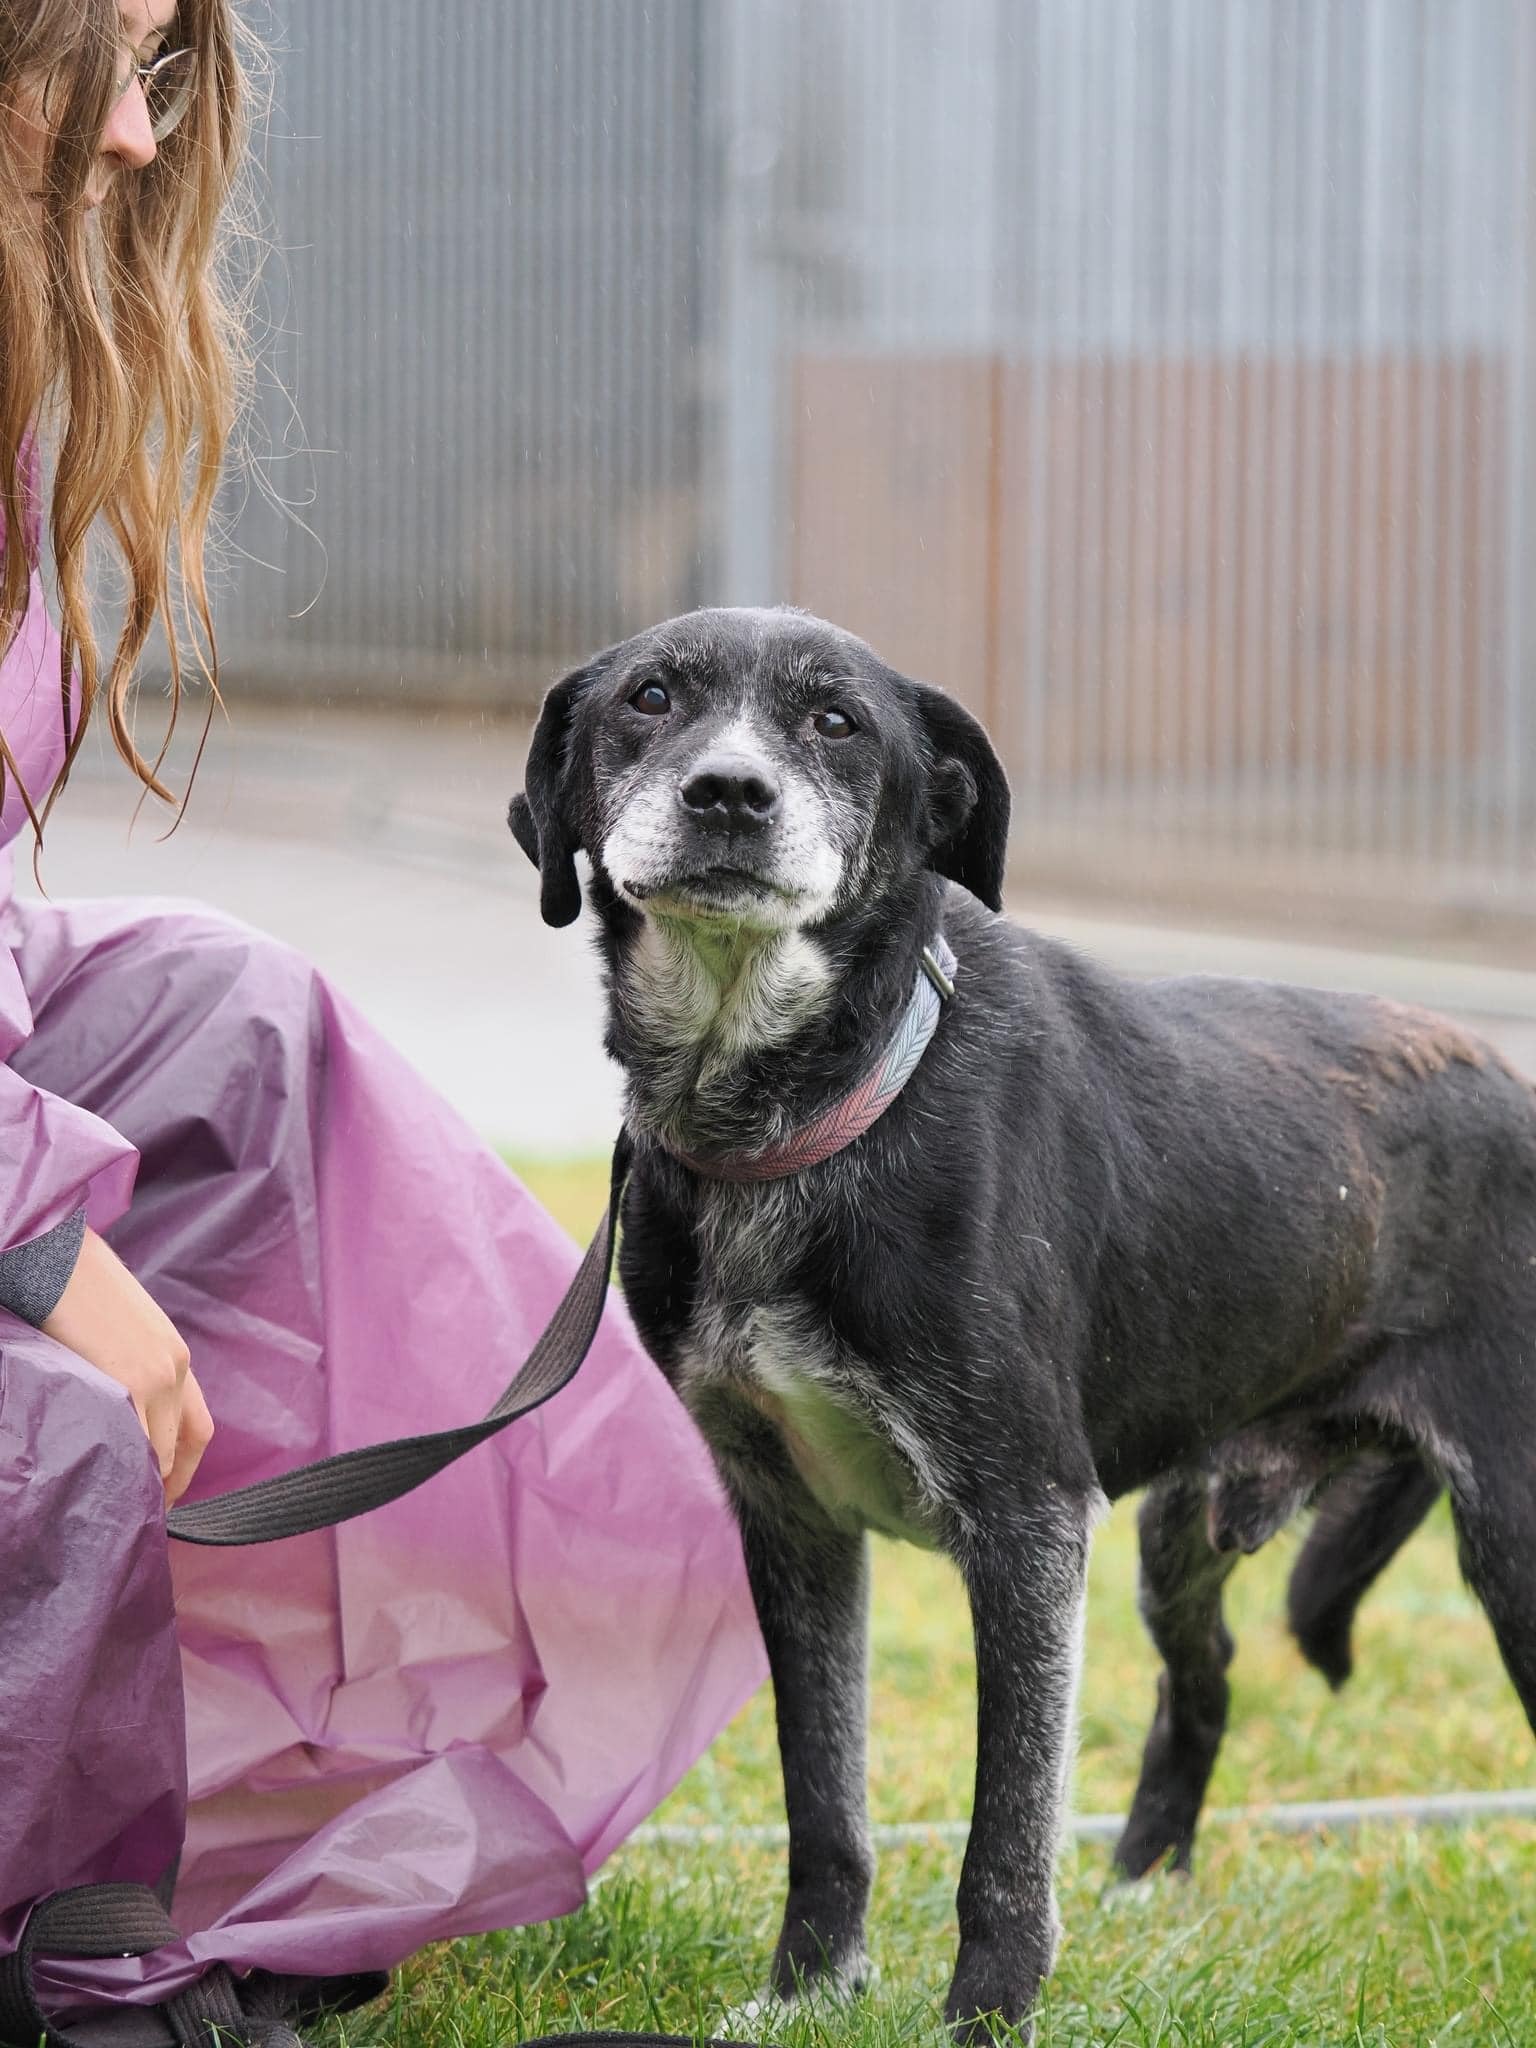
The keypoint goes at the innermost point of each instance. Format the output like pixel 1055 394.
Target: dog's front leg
pixel 810 1583
pixel 1024 1567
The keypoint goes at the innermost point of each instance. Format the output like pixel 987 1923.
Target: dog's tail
pixel 1363 1519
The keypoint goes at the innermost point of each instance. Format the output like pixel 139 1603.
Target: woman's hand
pixel 105 1316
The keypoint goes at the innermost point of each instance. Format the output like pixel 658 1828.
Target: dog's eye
pixel 833 724
pixel 652 699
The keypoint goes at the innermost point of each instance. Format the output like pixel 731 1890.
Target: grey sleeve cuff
pixel 35 1274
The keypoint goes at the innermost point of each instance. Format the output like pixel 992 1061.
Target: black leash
pixel 335 1489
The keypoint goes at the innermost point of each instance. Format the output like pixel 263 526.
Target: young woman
pixel 237 1232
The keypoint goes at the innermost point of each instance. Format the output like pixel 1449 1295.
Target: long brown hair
pixel 121 344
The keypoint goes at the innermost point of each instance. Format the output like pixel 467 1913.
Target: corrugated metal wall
pixel 497 264
pixel 1157 374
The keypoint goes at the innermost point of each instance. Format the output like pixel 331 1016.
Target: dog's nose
pixel 728 793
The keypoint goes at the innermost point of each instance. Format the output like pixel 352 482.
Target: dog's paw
pixel 754 2019
pixel 993 1995
pixel 830 1992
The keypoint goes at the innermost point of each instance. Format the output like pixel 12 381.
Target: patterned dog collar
pixel 850 1118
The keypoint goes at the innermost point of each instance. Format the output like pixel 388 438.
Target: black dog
pixel 1217 1238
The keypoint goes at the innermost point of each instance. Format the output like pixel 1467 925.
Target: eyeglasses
pixel 169 81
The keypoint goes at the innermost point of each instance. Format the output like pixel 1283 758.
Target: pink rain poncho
pixel 437 1719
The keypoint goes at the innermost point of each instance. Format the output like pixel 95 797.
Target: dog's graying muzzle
pixel 730 793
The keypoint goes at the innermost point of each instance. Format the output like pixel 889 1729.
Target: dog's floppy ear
pixel 967 798
pixel 542 818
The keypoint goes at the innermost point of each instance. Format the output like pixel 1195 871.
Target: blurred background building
pixel 1157 375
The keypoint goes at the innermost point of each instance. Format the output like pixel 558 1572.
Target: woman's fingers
pixel 195 1432
pixel 161 1421
pixel 155 1375
pixel 109 1319
pixel 156 1379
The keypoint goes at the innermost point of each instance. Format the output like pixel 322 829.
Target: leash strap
pixel 629 2041
pixel 335 1489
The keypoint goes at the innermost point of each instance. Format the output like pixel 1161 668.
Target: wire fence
pixel 1293 1817
pixel 1155 374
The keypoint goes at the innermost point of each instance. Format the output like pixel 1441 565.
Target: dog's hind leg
pixel 1363 1520
pixel 1181 1582
pixel 1469 1402
pixel 1494 1503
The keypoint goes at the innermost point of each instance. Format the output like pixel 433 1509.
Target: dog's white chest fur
pixel 783 1361
pixel 844 1459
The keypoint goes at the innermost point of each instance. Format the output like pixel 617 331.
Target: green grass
pixel 1379 1939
